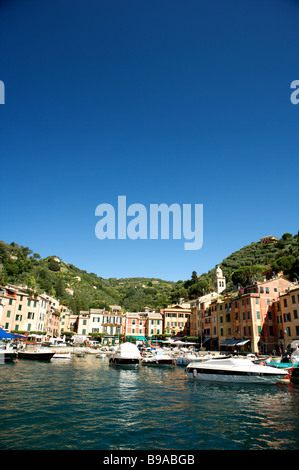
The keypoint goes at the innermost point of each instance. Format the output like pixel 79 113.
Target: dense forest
pixel 81 290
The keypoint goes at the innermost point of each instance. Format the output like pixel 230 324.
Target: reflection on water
pixel 87 404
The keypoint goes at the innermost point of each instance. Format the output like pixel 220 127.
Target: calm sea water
pixel 85 404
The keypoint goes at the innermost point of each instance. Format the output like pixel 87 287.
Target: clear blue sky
pixel 162 101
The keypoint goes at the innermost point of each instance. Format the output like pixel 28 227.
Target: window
pixel 285 303
pixel 248 315
pixel 261 290
pixel 8 313
pixel 30 315
pixel 28 302
pixel 29 327
pixel 293 299
pixel 295 314
pixel 286 317
pixel 20 307
pixel 21 298
pixel 267 290
pixel 10 302
pixel 258 315
pixel 257 301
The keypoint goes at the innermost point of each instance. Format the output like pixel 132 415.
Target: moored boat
pixel 230 369
pixel 127 355
pixel 159 359
pixel 62 356
pixel 36 354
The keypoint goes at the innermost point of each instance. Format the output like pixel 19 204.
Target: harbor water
pixel 86 404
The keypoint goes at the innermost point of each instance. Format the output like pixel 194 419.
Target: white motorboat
pixel 231 369
pixel 158 359
pixel 62 356
pixel 127 354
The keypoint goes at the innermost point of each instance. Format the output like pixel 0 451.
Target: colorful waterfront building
pixel 287 317
pixel 141 325
pixel 177 319
pixel 246 319
pixel 22 309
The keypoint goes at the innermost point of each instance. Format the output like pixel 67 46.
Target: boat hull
pixel 124 362
pixel 295 375
pixel 37 356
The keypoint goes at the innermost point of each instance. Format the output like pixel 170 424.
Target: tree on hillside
pixel 246 275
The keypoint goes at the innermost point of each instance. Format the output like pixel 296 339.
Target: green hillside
pixel 248 264
pixel 75 287
pixel 81 290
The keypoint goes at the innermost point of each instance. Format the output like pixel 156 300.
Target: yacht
pixel 127 354
pixel 237 370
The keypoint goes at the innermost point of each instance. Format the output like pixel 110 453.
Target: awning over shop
pixel 205 340
pixel 5 335
pixel 138 338
pixel 234 342
pixel 242 342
